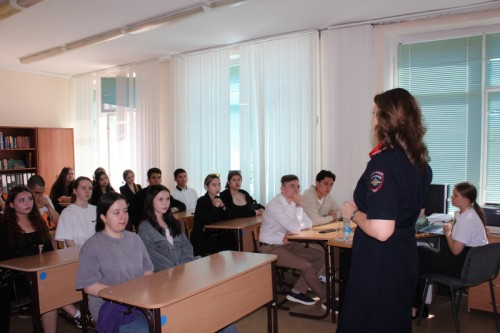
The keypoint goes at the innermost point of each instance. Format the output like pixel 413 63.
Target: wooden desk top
pixel 43 261
pixel 183 215
pixel 175 284
pixel 348 245
pixel 236 224
pixel 313 234
pixel 421 235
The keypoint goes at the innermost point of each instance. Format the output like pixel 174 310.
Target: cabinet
pixel 28 151
pixel 479 297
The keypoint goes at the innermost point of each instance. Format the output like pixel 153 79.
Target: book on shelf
pixel 17 142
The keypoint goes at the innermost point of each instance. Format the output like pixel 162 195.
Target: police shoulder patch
pixel 376 180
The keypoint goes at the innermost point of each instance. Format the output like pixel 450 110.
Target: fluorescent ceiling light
pixel 160 21
pixel 7 10
pixel 25 3
pixel 41 55
pixel 11 7
pixel 100 38
pixel 135 28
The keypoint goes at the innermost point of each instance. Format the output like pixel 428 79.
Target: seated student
pixel 210 209
pixel 136 208
pixel 60 193
pixel 284 215
pixel 130 189
pixel 161 233
pixel 112 256
pixel 102 186
pixel 468 231
pixel 317 202
pixel 167 246
pixel 237 201
pixel 23 233
pixel 77 222
pixel 36 184
pixel 182 192
pixel 94 175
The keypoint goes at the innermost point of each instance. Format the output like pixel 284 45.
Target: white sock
pixel 77 314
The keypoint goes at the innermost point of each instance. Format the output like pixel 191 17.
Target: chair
pixel 481 265
pixel 280 271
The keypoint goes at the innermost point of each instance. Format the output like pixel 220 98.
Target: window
pixel 463 131
pixel 109 93
pixel 115 96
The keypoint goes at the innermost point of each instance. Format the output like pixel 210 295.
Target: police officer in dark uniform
pixel 387 202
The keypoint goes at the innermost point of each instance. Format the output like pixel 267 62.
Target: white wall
pixel 32 100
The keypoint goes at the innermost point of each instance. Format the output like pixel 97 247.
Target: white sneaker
pixel 322 278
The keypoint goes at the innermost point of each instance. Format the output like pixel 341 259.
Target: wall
pixel 33 100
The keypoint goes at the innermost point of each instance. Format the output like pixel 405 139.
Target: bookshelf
pixel 28 151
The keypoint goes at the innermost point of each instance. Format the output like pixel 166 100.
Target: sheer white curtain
pixel 126 138
pixel 347 100
pixel 201 115
pixel 137 137
pixel 85 132
pixel 279 94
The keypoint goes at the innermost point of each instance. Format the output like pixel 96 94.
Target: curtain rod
pixel 246 42
pixel 421 15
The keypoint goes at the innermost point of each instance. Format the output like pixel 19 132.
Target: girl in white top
pixel 78 220
pixel 468 231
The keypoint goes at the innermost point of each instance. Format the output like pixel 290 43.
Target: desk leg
pixel 344 267
pixel 328 287
pixel 272 326
pixel 331 283
pixel 157 321
pixel 35 302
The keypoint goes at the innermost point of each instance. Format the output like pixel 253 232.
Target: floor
pixel 440 321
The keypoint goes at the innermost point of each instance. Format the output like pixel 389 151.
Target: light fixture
pixel 100 38
pixel 41 55
pixel 11 7
pixel 135 28
pixel 7 10
pixel 214 5
pixel 160 21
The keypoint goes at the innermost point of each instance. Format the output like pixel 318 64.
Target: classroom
pixel 266 87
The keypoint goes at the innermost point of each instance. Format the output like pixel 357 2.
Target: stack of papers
pixel 439 219
pixel 434 224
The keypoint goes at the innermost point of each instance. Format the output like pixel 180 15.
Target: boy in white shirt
pixel 284 215
pixel 182 192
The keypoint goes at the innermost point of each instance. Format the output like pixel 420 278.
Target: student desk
pixel 204 295
pixel 243 226
pixel 187 219
pixel 52 277
pixel 313 235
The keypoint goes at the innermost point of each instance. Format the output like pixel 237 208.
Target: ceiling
pixel 54 23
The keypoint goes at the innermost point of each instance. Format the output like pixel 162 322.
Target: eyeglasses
pixel 293 186
pixel 214 175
